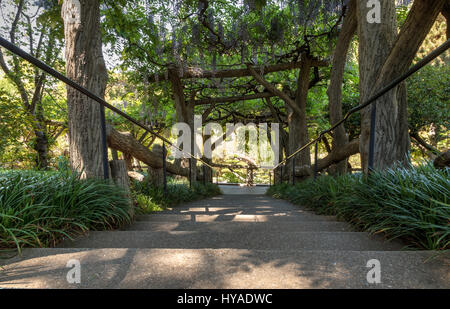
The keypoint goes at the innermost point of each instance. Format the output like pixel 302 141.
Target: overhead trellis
pixel 201 41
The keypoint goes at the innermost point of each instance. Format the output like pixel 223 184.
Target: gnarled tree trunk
pixel 185 113
pixel 298 129
pixel 334 92
pixel 375 43
pixel 86 66
pixel 383 57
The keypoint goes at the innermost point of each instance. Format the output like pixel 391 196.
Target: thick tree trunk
pixel 86 66
pixel 418 24
pixel 185 113
pixel 375 43
pixel 283 141
pixel 404 142
pixel 340 138
pixel 208 171
pixel 298 129
pixel 395 56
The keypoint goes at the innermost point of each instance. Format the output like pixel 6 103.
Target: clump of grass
pixel 37 209
pixel 150 198
pixel 409 203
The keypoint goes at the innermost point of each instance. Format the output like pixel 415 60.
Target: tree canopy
pixel 215 48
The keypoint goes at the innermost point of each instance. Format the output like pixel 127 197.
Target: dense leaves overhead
pixel 143 38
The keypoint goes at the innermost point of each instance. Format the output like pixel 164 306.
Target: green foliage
pixel 429 98
pixel 230 177
pixel 408 203
pixel 151 198
pixel 37 209
pixel 14 126
pixel 26 100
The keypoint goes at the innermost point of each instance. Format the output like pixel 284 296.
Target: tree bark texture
pixel 185 113
pixel 126 143
pixel 119 174
pixel 85 65
pixel 383 57
pixel 376 41
pixel 298 129
pixel 194 72
pixel 340 138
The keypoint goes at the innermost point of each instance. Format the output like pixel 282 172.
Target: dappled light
pixel 236 144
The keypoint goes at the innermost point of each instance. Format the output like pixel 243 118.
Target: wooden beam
pixel 260 95
pixel 195 72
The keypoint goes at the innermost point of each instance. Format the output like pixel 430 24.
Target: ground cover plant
pixel 408 203
pixel 150 197
pixel 37 209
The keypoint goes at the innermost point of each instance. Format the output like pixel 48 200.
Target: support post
pixel 293 171
pixel 316 150
pixel 190 173
pixel 281 174
pixel 373 125
pixel 204 174
pixel 164 169
pixel 104 143
pixel 119 174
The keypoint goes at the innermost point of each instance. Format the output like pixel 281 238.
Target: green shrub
pixel 38 208
pixel 409 203
pixel 151 198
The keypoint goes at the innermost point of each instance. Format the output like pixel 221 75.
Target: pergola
pixel 296 104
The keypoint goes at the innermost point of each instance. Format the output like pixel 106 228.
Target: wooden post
pixel 190 173
pixel 316 150
pixel 204 174
pixel 104 143
pixel 156 175
pixel 281 173
pixel 293 171
pixel 164 154
pixel 119 174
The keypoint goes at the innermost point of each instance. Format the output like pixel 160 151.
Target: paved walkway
pixel 229 241
pixel 238 190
